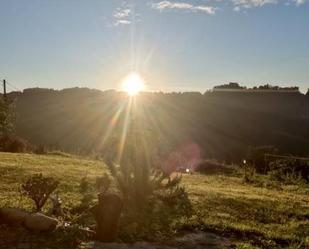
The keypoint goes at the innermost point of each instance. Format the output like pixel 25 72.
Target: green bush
pixel 103 183
pixel 13 144
pixel 248 173
pixel 289 171
pixel 153 199
pixel 39 188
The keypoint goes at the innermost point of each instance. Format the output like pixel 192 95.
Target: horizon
pixel 252 90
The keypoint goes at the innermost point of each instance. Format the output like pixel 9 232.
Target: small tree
pixel 39 188
pixel 153 199
pixel 6 117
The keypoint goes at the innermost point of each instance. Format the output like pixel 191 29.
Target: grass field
pixel 255 216
pixel 265 216
pixel 15 168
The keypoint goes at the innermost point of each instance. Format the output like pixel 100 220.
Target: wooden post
pixel 4 89
pixel 107 214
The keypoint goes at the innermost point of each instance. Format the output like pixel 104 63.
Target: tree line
pixel 221 124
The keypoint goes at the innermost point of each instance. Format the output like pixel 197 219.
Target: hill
pixel 221 123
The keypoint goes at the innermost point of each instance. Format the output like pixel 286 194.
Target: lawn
pixel 68 170
pixel 253 215
pixel 264 215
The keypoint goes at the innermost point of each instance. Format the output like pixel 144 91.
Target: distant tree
pixel 6 117
pixel 231 85
pixel 222 123
pixel 8 141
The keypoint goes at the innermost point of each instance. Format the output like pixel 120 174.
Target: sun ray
pixel 124 132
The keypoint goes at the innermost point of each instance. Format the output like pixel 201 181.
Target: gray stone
pixel 40 222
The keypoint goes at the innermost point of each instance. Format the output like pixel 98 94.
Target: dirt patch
pixel 199 240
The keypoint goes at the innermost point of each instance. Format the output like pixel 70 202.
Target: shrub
pixel 84 185
pixel 88 194
pixel 211 167
pixel 39 188
pixel 40 150
pixel 152 198
pixel 152 202
pixel 248 173
pixel 7 115
pixel 13 144
pixel 256 157
pixel 103 183
pixel 163 208
pixel 289 171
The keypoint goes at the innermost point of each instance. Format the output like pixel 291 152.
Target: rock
pixel 40 222
pixel 12 216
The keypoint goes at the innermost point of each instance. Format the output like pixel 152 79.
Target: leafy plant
pixel 13 144
pixel 6 116
pixel 103 183
pixel 289 171
pixel 248 173
pixel 153 199
pixel 39 188
pixel 87 192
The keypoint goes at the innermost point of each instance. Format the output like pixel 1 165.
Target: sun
pixel 133 84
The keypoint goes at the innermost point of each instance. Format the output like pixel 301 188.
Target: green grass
pixel 256 216
pixel 16 168
pixel 226 204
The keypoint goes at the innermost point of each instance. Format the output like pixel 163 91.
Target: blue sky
pixel 175 45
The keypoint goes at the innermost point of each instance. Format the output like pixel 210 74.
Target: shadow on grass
pixel 267 223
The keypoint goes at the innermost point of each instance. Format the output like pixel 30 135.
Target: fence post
pixel 107 215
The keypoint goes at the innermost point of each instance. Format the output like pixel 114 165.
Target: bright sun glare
pixel 133 84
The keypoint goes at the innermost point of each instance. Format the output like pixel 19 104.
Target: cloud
pixel 247 4
pixel 300 2
pixel 122 22
pixel 122 16
pixel 122 13
pixel 168 5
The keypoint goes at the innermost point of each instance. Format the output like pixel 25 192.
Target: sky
pixel 185 45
